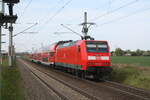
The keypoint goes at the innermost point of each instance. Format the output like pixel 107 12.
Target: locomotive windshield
pixel 97 46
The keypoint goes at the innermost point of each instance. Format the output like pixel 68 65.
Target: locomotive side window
pixel 68 44
pixel 94 46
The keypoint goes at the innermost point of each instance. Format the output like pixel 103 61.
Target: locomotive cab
pixel 98 57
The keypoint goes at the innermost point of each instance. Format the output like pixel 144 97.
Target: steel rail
pixel 117 89
pixel 130 87
pixel 72 87
pixel 63 97
pixel 84 93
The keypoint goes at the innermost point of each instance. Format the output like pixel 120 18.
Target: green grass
pixel 132 76
pixel 11 87
pixel 133 60
pixel 133 71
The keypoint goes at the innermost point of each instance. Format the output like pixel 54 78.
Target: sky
pixel 123 23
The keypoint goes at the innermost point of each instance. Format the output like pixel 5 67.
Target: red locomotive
pixel 88 57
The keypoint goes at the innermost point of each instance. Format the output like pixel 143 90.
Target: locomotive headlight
pixel 91 57
pixel 104 58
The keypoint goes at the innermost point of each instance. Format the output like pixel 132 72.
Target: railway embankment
pixel 33 87
pixel 11 87
pixel 131 75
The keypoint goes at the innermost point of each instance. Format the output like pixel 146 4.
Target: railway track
pixel 136 91
pixel 139 93
pixel 75 90
pixel 133 93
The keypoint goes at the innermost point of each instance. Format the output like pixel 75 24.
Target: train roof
pixel 52 47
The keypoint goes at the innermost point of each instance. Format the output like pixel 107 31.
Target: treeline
pixel 138 52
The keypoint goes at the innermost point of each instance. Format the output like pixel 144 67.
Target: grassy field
pixel 133 71
pixel 134 60
pixel 11 87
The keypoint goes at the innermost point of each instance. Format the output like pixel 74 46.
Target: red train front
pixel 88 57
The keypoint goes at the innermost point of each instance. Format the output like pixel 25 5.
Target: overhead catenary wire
pixel 58 11
pixel 62 32
pixel 114 10
pixel 41 20
pixel 109 3
pixel 30 32
pixel 126 16
pixel 26 7
pixel 71 30
pixel 25 30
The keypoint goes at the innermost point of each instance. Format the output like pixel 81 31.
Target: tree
pixel 139 52
pixel 133 53
pixel 119 52
pixel 146 53
pixel 127 53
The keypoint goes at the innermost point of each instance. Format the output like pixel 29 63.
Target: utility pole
pixel 1 51
pixel 4 20
pixel 0 45
pixel 1 14
pixel 10 4
pixel 86 25
pixel 85 28
pixel 10 53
